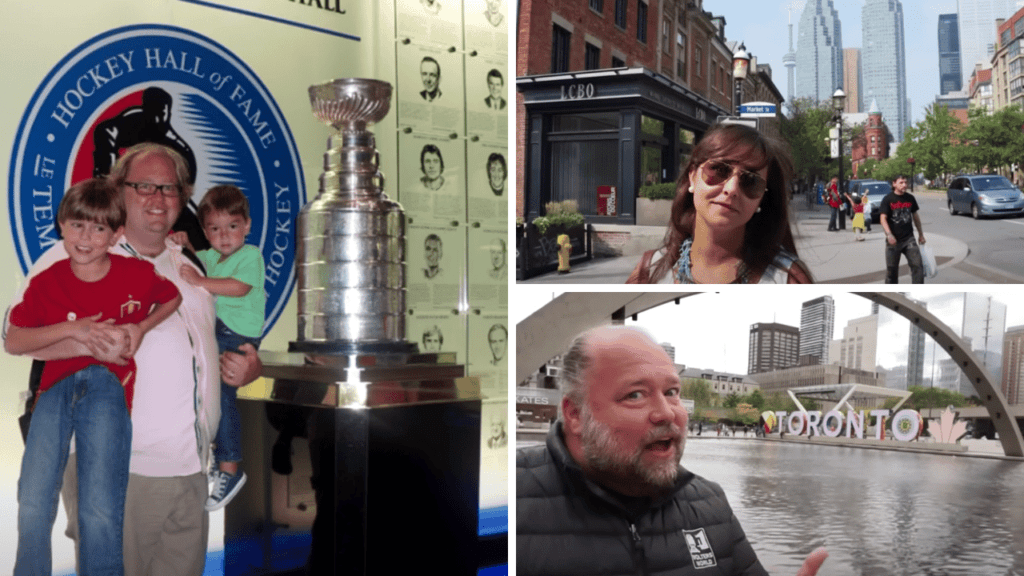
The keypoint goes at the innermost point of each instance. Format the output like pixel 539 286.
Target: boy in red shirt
pixel 85 298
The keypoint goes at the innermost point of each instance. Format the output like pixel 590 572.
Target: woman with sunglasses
pixel 730 217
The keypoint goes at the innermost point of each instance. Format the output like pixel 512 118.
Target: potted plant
pixel 654 204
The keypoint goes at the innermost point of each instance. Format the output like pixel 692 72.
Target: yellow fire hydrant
pixel 564 250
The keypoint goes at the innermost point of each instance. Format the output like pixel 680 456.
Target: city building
pixel 883 62
pixel 722 383
pixel 852 80
pixel 958 103
pixel 1013 364
pixel 817 321
pixel 981 89
pixel 772 347
pixel 670 350
pixel 950 76
pixel 819 55
pixel 873 142
pixel 911 359
pixel 856 349
pixel 799 376
pixel 978 35
pixel 611 95
pixel 1007 67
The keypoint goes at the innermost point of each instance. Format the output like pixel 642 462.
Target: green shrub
pixel 663 191
pixel 565 213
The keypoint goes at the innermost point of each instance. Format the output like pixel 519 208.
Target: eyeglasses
pixel 148 189
pixel 715 172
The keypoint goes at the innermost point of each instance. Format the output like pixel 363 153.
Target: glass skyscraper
pixel 819 54
pixel 978 31
pixel 950 76
pixel 910 358
pixel 884 62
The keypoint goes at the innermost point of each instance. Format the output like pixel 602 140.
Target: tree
pixel 755 399
pixel 806 130
pixel 921 397
pixel 927 141
pixel 731 400
pixel 699 391
pixel 989 141
pixel 744 414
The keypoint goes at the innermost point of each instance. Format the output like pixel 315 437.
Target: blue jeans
pixel 89 403
pixel 228 443
pixel 909 247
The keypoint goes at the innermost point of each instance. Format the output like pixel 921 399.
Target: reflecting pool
pixel 878 512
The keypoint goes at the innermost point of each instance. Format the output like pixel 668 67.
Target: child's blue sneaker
pixel 225 488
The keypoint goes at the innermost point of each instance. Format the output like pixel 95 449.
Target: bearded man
pixel 606 493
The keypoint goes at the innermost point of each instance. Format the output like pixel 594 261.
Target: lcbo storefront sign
pixel 906 424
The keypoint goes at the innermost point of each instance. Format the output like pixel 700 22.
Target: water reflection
pixel 878 512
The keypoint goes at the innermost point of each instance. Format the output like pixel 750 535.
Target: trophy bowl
pixel 350 103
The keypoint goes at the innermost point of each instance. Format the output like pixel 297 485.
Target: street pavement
pixel 833 257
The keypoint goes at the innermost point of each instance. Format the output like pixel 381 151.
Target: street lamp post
pixel 838 99
pixel 911 162
pixel 740 65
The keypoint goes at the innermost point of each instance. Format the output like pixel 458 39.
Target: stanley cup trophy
pixel 357 427
pixel 351 237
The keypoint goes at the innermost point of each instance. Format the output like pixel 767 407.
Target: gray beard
pixel 606 456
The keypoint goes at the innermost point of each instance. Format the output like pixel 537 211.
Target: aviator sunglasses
pixel 715 172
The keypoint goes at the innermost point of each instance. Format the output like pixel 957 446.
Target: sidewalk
pixel 833 257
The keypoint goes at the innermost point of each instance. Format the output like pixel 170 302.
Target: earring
pixel 758 210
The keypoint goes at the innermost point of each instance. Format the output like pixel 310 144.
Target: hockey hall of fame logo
pixel 169 85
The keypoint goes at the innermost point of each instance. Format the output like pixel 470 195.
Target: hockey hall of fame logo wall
pixel 169 85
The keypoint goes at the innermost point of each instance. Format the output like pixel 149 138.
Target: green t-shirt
pixel 243 314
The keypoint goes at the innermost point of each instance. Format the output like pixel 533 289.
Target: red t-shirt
pixel 127 294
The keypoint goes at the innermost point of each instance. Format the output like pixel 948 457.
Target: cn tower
pixel 789 60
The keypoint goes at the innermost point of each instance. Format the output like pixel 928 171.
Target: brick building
pixel 874 142
pixel 613 93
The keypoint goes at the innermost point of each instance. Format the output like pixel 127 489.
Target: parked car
pixel 984 195
pixel 876 190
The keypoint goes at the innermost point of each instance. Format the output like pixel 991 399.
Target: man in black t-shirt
pixel 899 216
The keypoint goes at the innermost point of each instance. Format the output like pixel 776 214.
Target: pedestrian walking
pixel 899 217
pixel 835 203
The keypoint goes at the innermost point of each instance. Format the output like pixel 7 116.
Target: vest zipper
pixel 639 555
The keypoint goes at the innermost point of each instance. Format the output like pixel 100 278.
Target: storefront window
pixel 652 126
pixel 578 168
pixel 588 122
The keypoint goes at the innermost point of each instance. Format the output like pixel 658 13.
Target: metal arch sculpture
pixel 554 325
pixel 992 398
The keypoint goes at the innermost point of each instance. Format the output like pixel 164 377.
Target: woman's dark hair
pixel 767 230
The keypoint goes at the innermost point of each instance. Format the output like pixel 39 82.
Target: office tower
pixel 977 19
pixel 772 347
pixel 950 76
pixel 817 320
pixel 911 358
pixel 856 349
pixel 852 80
pixel 819 55
pixel 1013 364
pixel 883 62
pixel 670 350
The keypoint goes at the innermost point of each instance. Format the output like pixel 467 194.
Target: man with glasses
pixel 177 401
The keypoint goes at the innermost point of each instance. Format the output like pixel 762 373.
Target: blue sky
pixel 764 29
